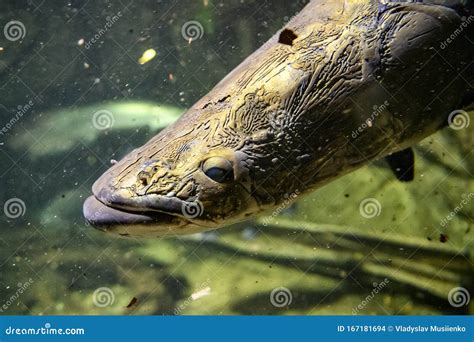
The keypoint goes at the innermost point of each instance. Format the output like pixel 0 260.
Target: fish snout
pixel 100 215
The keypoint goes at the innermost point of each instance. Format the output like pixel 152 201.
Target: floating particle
pixel 202 293
pixel 443 238
pixel 80 42
pixel 132 303
pixel 147 56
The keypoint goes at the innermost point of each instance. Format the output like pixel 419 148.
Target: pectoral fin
pixel 402 164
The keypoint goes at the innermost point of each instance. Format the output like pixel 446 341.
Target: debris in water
pixel 443 238
pixel 147 56
pixel 202 293
pixel 249 233
pixel 132 303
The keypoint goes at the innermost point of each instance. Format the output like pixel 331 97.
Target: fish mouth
pixel 119 218
pixel 119 210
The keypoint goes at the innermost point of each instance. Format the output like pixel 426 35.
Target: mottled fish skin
pixel 289 119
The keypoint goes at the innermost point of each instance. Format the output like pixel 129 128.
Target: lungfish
pixel 344 83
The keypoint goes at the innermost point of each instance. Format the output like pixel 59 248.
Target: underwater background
pixel 84 82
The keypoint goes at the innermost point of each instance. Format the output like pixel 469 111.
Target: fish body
pixel 342 84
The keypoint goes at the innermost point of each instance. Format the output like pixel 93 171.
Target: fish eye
pixel 218 169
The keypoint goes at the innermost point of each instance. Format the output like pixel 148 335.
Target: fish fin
pixel 402 164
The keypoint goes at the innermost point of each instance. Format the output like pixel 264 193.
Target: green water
pixel 321 255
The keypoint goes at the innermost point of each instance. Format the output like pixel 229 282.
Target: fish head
pixel 189 178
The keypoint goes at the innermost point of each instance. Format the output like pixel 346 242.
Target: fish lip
pixel 120 210
pixel 99 214
pixel 136 224
pixel 142 216
pixel 109 206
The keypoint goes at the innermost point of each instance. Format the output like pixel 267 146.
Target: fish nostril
pixel 143 178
